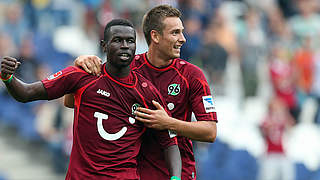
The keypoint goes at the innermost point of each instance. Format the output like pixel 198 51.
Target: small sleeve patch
pixel 53 76
pixel 208 104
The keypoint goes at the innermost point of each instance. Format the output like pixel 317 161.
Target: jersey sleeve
pixel 165 138
pixel 64 82
pixel 202 102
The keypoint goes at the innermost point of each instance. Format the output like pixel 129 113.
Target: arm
pixel 173 160
pixel 205 131
pixel 19 90
pixel 68 100
pixel 159 119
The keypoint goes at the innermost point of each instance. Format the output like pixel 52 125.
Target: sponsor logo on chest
pixel 103 92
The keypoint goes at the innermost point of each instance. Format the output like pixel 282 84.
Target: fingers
pixel 77 61
pixel 97 63
pixel 141 119
pixel 144 110
pixel 86 68
pixel 142 115
pixel 18 64
pixel 93 63
pixel 90 63
pixel 9 66
pixel 146 122
pixel 81 62
pixel 157 105
pixel 10 61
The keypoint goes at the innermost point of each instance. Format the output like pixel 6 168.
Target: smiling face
pixel 120 45
pixel 171 39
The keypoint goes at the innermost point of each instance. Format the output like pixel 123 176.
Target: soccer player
pixel 183 86
pixel 107 138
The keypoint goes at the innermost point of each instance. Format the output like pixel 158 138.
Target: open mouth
pixel 177 47
pixel 124 56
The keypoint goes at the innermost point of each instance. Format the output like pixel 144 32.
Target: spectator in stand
pixel 283 78
pixel 306 24
pixel 275 164
pixel 252 45
pixel 219 45
pixel 193 33
pixel 303 59
pixel 29 66
pixel 15 24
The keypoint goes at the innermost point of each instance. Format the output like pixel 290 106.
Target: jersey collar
pixel 121 83
pixel 157 68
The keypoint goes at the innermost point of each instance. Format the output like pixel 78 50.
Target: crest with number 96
pixel 134 107
pixel 174 89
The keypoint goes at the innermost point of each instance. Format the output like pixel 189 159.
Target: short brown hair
pixel 153 19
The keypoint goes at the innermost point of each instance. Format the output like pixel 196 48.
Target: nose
pixel 182 39
pixel 124 44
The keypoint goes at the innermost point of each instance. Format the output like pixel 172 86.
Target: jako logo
pixel 102 92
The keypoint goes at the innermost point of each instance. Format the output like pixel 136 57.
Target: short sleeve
pixel 202 101
pixel 63 82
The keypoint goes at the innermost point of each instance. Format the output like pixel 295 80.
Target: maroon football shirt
pixel 107 139
pixel 185 90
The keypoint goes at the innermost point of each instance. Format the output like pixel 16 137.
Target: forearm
pixel 24 92
pixel 205 131
pixel 173 160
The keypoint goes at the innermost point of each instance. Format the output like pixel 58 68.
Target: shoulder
pixel 138 60
pixel 68 73
pixel 186 67
pixel 74 69
pixel 142 79
pixel 145 84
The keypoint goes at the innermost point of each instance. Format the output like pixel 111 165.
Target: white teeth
pixel 125 55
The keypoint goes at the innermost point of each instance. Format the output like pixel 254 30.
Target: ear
pixel 155 36
pixel 103 45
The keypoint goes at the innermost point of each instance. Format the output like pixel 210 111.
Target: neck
pixel 117 72
pixel 156 58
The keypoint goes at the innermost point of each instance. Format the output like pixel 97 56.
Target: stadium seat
pixel 302 173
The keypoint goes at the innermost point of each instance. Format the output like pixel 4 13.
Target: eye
pixel 117 40
pixel 131 41
pixel 176 32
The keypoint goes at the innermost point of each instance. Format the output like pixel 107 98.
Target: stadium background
pixel 240 45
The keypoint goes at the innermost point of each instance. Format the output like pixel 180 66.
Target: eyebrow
pixel 177 29
pixel 124 37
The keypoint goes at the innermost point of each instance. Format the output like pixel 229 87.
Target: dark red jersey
pixel 185 90
pixel 107 138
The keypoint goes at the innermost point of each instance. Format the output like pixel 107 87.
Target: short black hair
pixel 115 22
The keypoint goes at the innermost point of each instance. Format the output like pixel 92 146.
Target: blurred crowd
pixel 273 44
